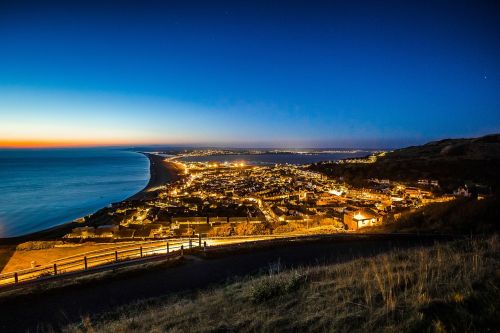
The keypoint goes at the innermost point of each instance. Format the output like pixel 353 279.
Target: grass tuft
pixel 275 284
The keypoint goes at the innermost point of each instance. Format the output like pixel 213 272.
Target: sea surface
pixel 270 159
pixel 40 189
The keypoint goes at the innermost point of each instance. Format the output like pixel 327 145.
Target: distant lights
pixel 359 216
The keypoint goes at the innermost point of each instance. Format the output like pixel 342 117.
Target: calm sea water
pixel 267 159
pixel 40 189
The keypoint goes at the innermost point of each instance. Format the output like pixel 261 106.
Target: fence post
pixel 182 250
pixel 116 255
pixel 85 262
pixel 16 278
pixel 190 243
pixel 55 269
pixel 199 239
pixel 167 248
pixel 141 251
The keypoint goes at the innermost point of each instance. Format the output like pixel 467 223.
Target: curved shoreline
pixel 161 172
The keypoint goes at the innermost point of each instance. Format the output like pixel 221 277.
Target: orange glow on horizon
pixel 12 143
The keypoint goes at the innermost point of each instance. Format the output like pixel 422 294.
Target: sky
pixel 371 74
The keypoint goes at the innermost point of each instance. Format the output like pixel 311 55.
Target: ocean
pixel 270 159
pixel 43 188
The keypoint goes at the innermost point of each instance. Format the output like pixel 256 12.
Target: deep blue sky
pixel 347 73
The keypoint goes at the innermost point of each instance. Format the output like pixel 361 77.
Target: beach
pixel 161 172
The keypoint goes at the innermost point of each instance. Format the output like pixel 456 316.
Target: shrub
pixel 37 245
pixel 223 230
pixel 289 227
pixel 246 229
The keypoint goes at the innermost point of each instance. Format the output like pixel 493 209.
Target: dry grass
pixel 444 288
pixel 37 245
pixel 6 252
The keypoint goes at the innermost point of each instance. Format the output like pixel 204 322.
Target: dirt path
pixel 60 307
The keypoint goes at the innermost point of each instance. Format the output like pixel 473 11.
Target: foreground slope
pixel 447 287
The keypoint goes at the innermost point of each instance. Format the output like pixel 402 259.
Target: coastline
pixel 161 173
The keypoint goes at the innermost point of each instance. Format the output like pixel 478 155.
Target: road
pixel 60 307
pixel 115 253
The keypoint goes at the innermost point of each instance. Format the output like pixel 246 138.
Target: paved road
pixel 60 307
pixel 107 255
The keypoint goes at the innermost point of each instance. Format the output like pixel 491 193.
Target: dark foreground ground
pixel 59 307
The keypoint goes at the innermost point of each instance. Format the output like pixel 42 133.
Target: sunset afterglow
pixel 185 75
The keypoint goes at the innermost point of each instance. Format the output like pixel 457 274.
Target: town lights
pixel 359 216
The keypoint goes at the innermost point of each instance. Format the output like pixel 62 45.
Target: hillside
pixel 452 161
pixel 450 287
pixel 461 216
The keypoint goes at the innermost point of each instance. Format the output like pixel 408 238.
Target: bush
pixel 223 230
pixel 37 245
pixel 289 227
pixel 189 232
pixel 247 229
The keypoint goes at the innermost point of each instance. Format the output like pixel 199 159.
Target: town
pixel 225 199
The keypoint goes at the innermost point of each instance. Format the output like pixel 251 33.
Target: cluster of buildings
pixel 372 158
pixel 235 198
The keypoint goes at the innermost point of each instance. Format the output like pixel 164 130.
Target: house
pixel 214 221
pixel 197 224
pixel 237 220
pixel 189 220
pixel 361 218
pixel 413 192
pixel 327 199
pixel 277 213
pixel 257 220
pixel 423 181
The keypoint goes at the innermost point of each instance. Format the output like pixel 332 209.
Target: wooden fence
pixel 100 258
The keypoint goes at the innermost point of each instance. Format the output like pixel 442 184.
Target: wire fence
pixel 100 258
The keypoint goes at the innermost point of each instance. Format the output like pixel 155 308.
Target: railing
pixel 100 258
pixel 172 248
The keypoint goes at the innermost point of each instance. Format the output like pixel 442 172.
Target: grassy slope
pixel 460 216
pixel 448 287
